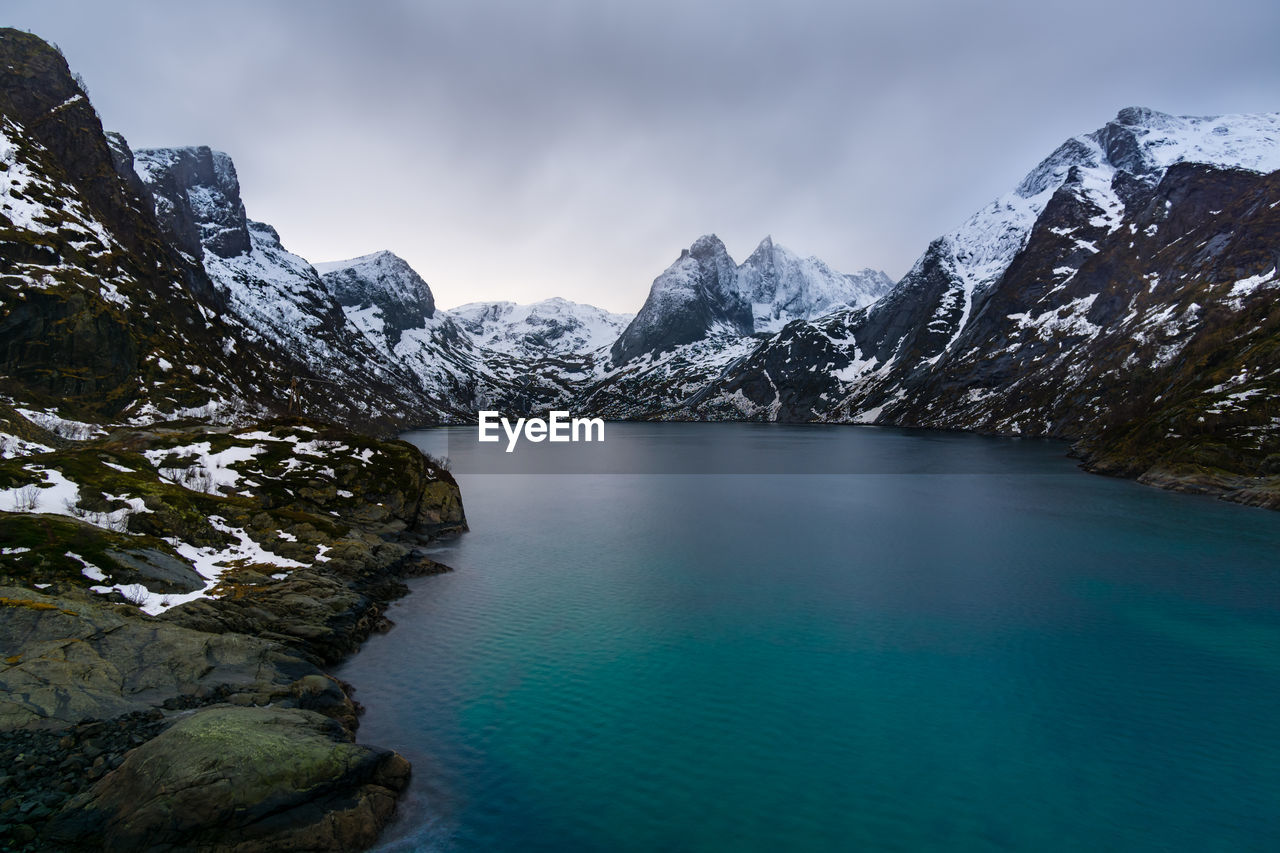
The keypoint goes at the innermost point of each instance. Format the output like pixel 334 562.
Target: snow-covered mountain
pixel 520 358
pixel 704 293
pixel 1123 296
pixel 275 297
pixel 873 360
pixel 550 327
pixel 781 287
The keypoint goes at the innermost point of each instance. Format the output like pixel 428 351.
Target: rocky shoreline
pixel 212 724
pixel 1183 475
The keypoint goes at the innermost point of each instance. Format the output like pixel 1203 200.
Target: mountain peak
pixel 1143 117
pixel 707 245
pixel 705 291
pixel 382 257
pixel 385 281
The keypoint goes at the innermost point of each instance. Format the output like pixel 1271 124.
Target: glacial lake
pixel 911 641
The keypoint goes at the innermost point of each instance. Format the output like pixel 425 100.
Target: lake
pixel 760 637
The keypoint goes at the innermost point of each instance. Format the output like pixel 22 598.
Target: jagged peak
pixel 707 244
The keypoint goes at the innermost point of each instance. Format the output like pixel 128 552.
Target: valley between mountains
pixel 202 504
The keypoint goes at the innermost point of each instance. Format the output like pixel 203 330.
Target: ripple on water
pixel 1021 658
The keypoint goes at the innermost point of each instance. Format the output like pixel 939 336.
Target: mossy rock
pixel 244 778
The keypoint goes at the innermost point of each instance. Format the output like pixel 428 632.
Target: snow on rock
pixel 1246 286
pixel 62 427
pixel 210 563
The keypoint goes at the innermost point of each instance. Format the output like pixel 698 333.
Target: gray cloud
pixel 573 147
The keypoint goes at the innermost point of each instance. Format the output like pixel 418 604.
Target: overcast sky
pixel 519 150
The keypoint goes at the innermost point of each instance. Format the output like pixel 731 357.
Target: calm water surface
pixel 946 643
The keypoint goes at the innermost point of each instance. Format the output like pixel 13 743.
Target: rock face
pixel 241 779
pixel 197 197
pixel 65 660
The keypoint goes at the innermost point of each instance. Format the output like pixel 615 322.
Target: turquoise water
pixel 983 650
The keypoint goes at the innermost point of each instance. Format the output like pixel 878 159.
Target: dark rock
pixel 167 573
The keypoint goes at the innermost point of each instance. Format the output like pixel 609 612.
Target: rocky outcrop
pixel 117 722
pixel 66 658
